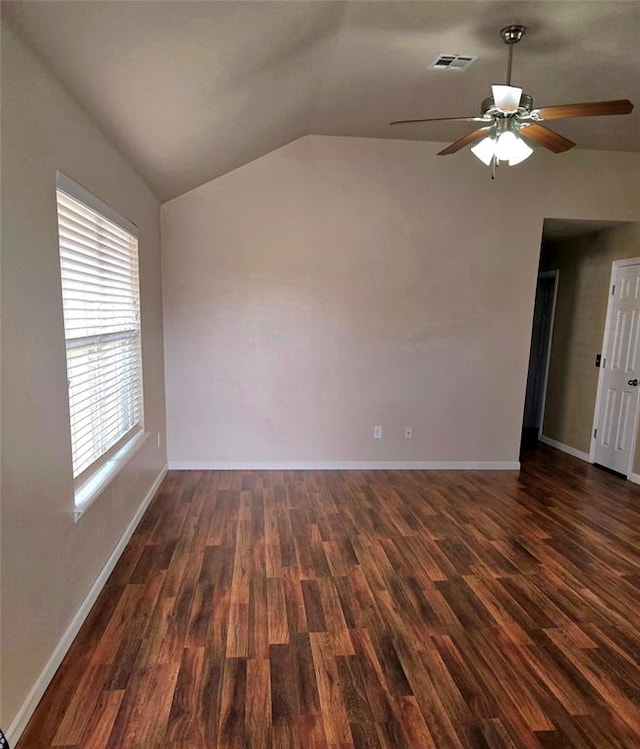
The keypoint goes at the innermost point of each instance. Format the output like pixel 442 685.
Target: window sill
pixel 86 494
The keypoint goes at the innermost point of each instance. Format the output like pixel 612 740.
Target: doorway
pixel 539 356
pixel 567 344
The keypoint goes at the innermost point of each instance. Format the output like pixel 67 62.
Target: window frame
pixel 94 478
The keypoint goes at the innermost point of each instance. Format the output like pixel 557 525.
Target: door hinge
pixel 595 433
pixel 613 289
pixel 604 364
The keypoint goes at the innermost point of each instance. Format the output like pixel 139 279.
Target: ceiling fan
pixel 510 119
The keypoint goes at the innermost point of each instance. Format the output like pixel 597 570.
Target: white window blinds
pixel 101 300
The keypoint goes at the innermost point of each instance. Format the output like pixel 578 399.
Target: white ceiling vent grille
pixel 452 62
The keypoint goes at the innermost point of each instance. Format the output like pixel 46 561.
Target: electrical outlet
pixel 377 433
pixel 408 433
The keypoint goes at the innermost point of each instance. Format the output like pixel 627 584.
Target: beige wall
pixel 49 563
pixel 339 283
pixel 584 265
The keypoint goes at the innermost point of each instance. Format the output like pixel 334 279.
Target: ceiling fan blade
pixel 466 140
pixel 588 109
pixel 441 119
pixel 543 136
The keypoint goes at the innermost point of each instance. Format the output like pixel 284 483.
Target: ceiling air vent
pixel 452 62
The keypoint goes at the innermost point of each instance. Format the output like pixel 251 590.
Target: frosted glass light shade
pixel 505 145
pixel 519 151
pixel 506 98
pixel 485 150
pixel 512 149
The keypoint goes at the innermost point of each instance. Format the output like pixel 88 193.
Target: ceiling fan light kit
pixel 509 118
pixel 506 147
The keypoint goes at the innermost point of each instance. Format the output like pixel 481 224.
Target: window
pixel 101 301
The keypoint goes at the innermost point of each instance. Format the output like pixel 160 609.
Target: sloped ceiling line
pixel 191 90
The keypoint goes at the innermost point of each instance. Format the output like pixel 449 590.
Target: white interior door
pixel 616 413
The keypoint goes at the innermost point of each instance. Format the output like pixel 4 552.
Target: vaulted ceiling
pixel 191 90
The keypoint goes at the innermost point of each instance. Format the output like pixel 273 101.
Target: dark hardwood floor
pixel 375 610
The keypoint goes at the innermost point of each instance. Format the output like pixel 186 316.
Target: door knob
pixel 633 383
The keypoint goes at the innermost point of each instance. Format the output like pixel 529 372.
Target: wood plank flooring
pixel 365 610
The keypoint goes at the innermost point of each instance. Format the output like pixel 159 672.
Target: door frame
pixel 555 274
pixel 605 340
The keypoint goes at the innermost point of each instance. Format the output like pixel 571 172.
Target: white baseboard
pixel 21 719
pixel 634 478
pixel 344 465
pixel 565 448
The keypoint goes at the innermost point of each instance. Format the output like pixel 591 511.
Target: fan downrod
pixel 511 35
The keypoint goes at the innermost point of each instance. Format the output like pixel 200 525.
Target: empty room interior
pixel 320 374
